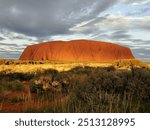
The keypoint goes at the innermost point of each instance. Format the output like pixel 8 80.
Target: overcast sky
pixel 26 22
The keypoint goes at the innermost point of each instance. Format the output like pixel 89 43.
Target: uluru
pixel 76 50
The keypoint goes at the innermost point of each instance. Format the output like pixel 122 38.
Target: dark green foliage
pixel 36 89
pixel 24 62
pixel 16 100
pixel 17 86
pixel 17 76
pixel 99 91
pixel 103 90
pixel 86 89
pixel 3 98
pixel 6 85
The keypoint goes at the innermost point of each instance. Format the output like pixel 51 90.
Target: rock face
pixel 76 50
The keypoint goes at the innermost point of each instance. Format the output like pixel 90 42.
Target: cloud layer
pixel 48 17
pixel 24 22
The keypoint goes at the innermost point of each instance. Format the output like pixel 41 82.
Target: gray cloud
pixel 1 38
pixel 142 53
pixel 138 2
pixel 6 54
pixel 5 44
pixel 121 34
pixel 48 17
pixel 11 47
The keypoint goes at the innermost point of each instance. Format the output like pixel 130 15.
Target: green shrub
pixel 18 76
pixel 36 89
pixel 103 91
pixel 6 85
pixel 17 86
pixel 3 98
pixel 86 89
pixel 16 100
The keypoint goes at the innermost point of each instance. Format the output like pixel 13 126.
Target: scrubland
pixel 37 86
pixel 34 66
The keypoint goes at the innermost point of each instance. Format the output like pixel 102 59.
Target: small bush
pixel 18 76
pixel 17 86
pixel 36 89
pixel 3 98
pixel 16 100
pixel 6 85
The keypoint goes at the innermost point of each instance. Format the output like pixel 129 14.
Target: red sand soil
pixel 76 50
pixel 8 107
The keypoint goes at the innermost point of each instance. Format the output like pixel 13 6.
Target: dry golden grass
pixel 61 66
pixel 29 68
pixel 128 63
